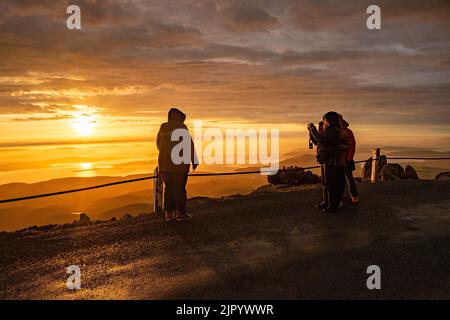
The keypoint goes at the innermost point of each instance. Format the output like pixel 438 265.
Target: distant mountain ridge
pixel 109 202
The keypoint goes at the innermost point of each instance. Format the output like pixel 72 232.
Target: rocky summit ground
pixel 271 244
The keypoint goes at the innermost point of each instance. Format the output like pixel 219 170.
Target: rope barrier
pixel 118 182
pixel 222 173
pixel 191 174
pixel 75 190
pixel 403 158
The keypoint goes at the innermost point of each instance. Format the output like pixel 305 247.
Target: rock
pixel 63 226
pixel 367 168
pixel 394 171
pixel 293 176
pixel 200 200
pixel 144 215
pixel 443 176
pixel 30 233
pixel 113 219
pixel 391 171
pixel 410 173
pixel 84 219
pixel 126 216
pixel 358 179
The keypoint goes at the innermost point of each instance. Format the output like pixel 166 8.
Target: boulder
pixel 391 171
pixel 367 168
pixel 410 173
pixel 126 216
pixel 443 176
pixel 358 179
pixel 293 176
pixel 394 171
pixel 144 215
pixel 30 233
pixel 63 226
pixel 84 220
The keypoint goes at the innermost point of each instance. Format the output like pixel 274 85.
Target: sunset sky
pixel 89 102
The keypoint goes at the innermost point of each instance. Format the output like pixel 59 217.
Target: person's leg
pixel 169 199
pixel 181 195
pixel 340 171
pixel 352 186
pixel 333 185
pixel 325 196
pixel 351 183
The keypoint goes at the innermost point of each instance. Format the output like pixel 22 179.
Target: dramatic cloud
pixel 245 18
pixel 254 60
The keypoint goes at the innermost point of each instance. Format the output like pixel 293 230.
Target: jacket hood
pixel 176 114
pixel 332 118
pixel 344 124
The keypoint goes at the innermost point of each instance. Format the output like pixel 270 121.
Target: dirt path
pixel 273 245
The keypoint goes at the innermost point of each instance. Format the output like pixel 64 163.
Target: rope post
pixel 375 161
pixel 157 192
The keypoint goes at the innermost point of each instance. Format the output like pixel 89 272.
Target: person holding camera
pixel 327 140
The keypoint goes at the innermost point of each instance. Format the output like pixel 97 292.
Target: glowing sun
pixel 84 122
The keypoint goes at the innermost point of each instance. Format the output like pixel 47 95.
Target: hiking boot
pixel 355 200
pixel 322 205
pixel 168 215
pixel 183 216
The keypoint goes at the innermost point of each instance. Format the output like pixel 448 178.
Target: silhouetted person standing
pixel 174 174
pixel 327 141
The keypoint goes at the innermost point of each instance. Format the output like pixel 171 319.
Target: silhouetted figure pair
pixel 335 146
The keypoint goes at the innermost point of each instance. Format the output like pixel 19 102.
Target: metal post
pixel 375 165
pixel 157 192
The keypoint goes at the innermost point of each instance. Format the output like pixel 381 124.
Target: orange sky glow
pixel 89 102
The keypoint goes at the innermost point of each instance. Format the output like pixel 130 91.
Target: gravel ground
pixel 272 245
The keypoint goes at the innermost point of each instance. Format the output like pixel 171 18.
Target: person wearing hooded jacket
pixel 348 153
pixel 174 175
pixel 327 141
pixel 345 143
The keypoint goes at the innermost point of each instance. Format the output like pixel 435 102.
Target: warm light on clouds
pixel 225 62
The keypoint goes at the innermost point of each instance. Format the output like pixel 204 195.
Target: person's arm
pixel 326 136
pixel 345 141
pixel 322 136
pixel 321 128
pixel 313 140
pixel 158 140
pixel 313 133
pixel 194 158
pixel 352 150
